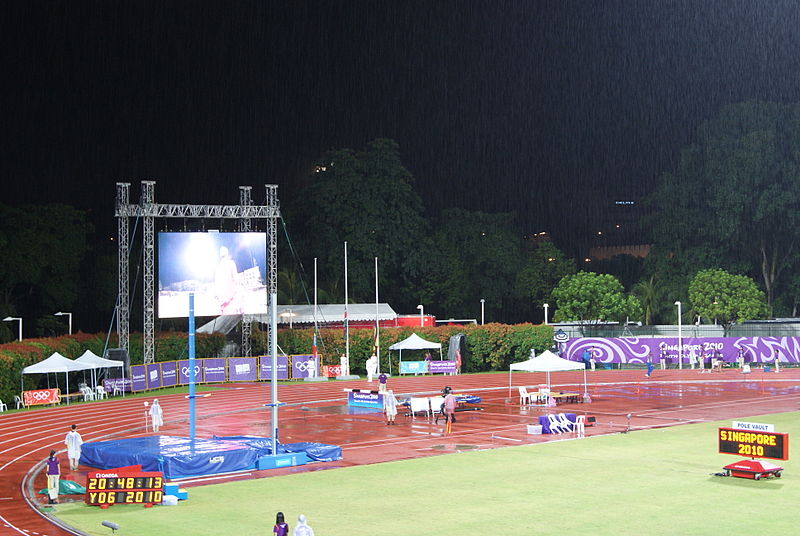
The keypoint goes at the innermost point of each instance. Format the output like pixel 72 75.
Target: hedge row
pixel 488 347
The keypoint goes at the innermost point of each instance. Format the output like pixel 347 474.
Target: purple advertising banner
pixel 169 373
pixel 265 371
pixel 441 367
pixel 154 375
pixel 138 378
pixel 214 369
pixel 636 350
pixel 117 384
pixel 242 369
pixel 303 366
pixel 183 371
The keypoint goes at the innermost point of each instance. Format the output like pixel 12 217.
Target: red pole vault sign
pixel 755 444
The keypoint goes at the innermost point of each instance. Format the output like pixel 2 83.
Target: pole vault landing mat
pixel 180 457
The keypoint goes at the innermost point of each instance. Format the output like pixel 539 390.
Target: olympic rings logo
pixel 304 366
pixel 185 371
pixel 41 395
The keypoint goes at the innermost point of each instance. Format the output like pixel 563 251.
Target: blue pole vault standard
pixel 191 367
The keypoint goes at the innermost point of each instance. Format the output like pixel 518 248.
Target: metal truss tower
pixel 246 200
pixel 148 210
pixel 123 247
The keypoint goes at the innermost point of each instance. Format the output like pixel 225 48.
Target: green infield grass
pixel 648 482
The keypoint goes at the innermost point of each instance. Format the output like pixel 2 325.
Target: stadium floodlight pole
pixel 11 319
pixel 69 318
pixel 421 315
pixel 483 302
pixel 546 305
pixel 680 339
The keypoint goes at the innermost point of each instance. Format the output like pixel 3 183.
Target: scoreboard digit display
pixel 754 444
pixel 116 487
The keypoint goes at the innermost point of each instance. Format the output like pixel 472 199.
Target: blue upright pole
pixel 191 368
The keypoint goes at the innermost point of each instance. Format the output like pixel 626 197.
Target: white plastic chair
pixel 420 405
pixel 580 429
pixel 436 407
pixel 554 424
pixel 524 396
pixel 18 401
pixel 87 393
pixel 3 406
pixel 100 392
pixel 566 424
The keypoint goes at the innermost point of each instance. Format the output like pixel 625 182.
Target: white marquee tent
pixel 415 342
pixel 57 363
pixel 96 362
pixel 547 362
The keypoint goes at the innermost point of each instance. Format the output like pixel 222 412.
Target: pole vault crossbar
pixel 147 211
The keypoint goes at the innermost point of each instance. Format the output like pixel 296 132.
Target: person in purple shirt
pixel 53 475
pixel 281 528
pixel 382 382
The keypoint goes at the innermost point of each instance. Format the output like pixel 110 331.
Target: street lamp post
pixel 546 305
pixel 421 315
pixel 483 303
pixel 69 318
pixel 680 338
pixel 12 318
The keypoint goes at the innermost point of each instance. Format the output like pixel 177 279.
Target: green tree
pixel 591 296
pixel 44 248
pixel 364 198
pixel 735 191
pixel 545 266
pixel 474 256
pixel 727 298
pixel 648 292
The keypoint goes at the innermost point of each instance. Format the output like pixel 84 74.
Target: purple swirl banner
pixel 638 350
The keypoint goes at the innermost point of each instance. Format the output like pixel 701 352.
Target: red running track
pixel 317 412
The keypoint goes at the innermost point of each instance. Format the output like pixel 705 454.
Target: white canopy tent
pixel 96 362
pixel 57 363
pixel 547 362
pixel 415 342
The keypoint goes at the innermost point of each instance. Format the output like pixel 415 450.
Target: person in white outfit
pixel 73 441
pixel 156 415
pixel 372 367
pixel 390 407
pixel 302 529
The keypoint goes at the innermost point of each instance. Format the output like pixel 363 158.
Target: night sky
pixel 553 109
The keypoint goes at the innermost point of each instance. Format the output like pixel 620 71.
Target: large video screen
pixel 225 271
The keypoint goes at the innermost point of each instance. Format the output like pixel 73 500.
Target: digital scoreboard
pixel 755 444
pixel 124 487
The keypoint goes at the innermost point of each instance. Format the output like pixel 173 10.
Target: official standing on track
pixel 73 441
pixel 389 407
pixel 156 415
pixel 53 475
pixel 450 404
